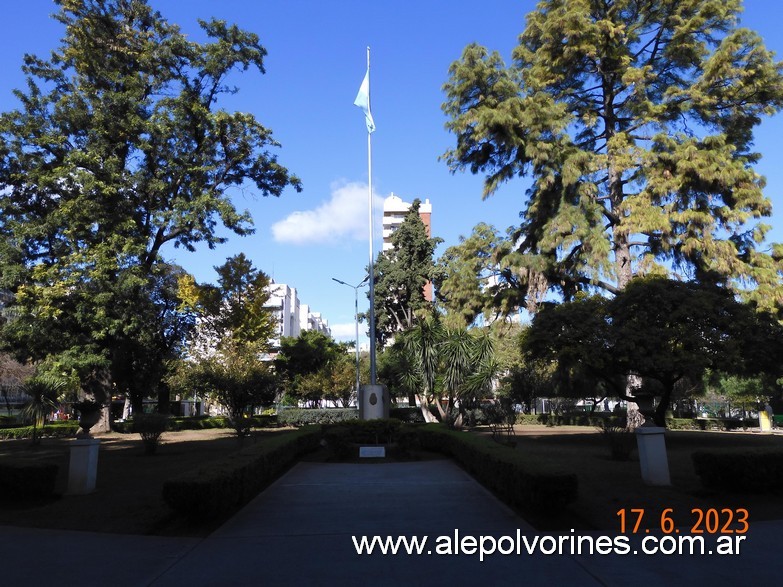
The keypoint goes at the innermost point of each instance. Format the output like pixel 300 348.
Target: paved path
pixel 299 532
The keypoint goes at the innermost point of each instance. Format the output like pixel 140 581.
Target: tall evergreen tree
pixel 119 148
pixel 401 274
pixel 635 122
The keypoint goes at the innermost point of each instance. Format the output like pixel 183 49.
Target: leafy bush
pixel 27 479
pixel 229 484
pixel 409 414
pixel 620 438
pixel 200 423
pixel 303 416
pixel 344 438
pixel 150 427
pixel 758 471
pixel 64 429
pixel 519 478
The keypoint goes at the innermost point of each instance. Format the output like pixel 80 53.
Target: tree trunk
pixel 634 417
pixel 425 410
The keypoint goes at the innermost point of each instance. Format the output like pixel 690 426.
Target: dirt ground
pixel 129 483
pixel 607 486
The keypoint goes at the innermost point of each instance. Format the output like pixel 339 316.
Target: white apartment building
pixel 293 317
pixel 394 212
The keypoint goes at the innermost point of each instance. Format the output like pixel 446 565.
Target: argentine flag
pixel 363 102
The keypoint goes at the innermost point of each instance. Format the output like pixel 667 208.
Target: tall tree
pixel 400 276
pixel 667 332
pixel 635 122
pixel 471 280
pixel 119 148
pixel 232 314
pixel 311 365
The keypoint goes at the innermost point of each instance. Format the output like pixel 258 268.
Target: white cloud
pixel 345 331
pixel 343 217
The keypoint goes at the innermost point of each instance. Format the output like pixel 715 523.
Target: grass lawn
pixel 129 483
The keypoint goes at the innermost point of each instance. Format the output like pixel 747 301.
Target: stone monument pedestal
pixel 83 467
pixel 373 402
pixel 652 455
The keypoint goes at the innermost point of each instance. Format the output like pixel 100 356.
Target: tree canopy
pixel 401 274
pixel 119 148
pixel 635 122
pixel 667 332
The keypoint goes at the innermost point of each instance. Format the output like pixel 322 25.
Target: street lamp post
pixel 356 317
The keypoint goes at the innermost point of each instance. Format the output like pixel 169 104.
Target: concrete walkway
pixel 299 532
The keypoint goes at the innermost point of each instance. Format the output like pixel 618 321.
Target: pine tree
pixel 635 121
pixel 401 274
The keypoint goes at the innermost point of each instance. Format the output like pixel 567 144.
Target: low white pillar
pixel 83 467
pixel 765 424
pixel 373 402
pixel 652 455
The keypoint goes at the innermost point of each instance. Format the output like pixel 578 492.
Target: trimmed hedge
pixel 306 416
pixel 198 423
pixel 753 471
pixel 520 479
pixel 578 419
pixel 229 484
pixel 63 429
pixel 28 479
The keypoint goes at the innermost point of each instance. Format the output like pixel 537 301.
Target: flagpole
pixel 372 264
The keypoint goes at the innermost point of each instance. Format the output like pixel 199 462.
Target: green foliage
pixel 50 430
pixel 150 427
pixel 227 485
pixel 43 393
pixel 315 367
pixel 239 382
pixel 344 438
pixel 118 148
pixel 400 276
pixel 304 417
pixel 620 438
pixel 452 363
pixel 635 123
pixel 667 332
pixel 234 313
pixel 759 471
pixel 520 479
pixel 23 480
pixel 471 281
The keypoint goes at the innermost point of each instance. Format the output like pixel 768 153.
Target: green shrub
pixel 519 478
pixel 756 471
pixel 229 484
pixel 150 427
pixel 200 423
pixel 28 479
pixel 619 437
pixel 63 429
pixel 304 416
pixel 344 438
pixel 409 414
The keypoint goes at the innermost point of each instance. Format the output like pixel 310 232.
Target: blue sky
pixel 315 64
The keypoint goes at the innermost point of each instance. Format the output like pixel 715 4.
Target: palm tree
pixel 44 393
pixel 456 362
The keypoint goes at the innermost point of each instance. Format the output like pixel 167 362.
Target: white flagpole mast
pixel 372 264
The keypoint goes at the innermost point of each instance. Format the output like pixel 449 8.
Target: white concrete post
pixel 83 466
pixel 652 455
